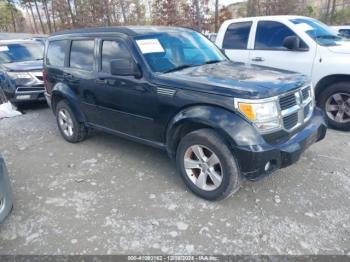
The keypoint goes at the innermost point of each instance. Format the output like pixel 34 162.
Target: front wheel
pixel 335 101
pixel 207 166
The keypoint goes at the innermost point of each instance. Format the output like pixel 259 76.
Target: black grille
pixel 30 89
pixel 306 93
pixel 287 101
pixel 290 121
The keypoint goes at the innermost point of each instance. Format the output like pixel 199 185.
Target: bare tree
pixel 38 13
pixel 216 15
pixel 334 4
pixel 10 5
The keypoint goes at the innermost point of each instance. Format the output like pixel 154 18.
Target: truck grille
pixel 306 92
pixel 30 89
pixel 296 108
pixel 287 101
pixel 290 121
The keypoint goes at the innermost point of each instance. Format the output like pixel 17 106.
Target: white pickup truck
pixel 299 44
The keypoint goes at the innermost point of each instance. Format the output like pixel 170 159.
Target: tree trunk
pixel 216 16
pixel 106 7
pixel 30 20
pixel 334 5
pixel 53 16
pixel 41 22
pixel 47 15
pixel 198 16
pixel 12 16
pixel 123 11
pixel 327 10
pixel 34 22
pixel 71 13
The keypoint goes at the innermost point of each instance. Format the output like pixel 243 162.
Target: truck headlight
pixel 263 113
pixel 19 75
pixel 21 78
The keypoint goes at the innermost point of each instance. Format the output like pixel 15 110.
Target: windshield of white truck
pixel 318 31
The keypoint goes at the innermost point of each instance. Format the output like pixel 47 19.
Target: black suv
pixel 173 89
pixel 21 77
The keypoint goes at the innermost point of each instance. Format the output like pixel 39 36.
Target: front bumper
pixel 28 94
pixel 5 191
pixel 253 160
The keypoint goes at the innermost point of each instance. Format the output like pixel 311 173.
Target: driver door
pixel 268 49
pixel 127 103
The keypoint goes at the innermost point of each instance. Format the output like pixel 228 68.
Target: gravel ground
pixel 107 195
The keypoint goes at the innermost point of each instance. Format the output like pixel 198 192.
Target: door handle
pixel 100 80
pixel 67 75
pixel 70 78
pixel 258 59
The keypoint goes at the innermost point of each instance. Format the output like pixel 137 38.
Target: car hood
pixel 342 48
pixel 236 79
pixel 24 66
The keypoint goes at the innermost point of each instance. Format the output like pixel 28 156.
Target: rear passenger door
pixel 55 62
pixel 127 103
pixel 235 42
pixel 80 76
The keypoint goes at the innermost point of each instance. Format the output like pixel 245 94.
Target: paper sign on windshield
pixel 304 27
pixel 4 48
pixel 150 46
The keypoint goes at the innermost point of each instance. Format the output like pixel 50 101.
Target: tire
pixel 71 130
pixel 327 101
pixel 227 169
pixel 3 98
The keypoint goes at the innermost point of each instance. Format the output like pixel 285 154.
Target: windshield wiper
pixel 212 62
pixel 328 37
pixel 179 68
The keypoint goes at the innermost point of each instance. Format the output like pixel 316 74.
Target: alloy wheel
pixel 203 167
pixel 338 107
pixel 66 123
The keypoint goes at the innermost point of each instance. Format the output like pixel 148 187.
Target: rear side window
pixel 237 35
pixel 270 35
pixel 56 53
pixel 112 50
pixel 82 54
pixel 345 32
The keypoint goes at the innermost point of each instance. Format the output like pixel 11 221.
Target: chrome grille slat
pixel 296 108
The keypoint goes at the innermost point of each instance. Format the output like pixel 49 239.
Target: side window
pixel 237 35
pixel 82 55
pixel 56 53
pixel 345 32
pixel 270 35
pixel 112 50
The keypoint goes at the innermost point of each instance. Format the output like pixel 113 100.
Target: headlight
pixel 262 112
pixel 19 75
pixel 21 78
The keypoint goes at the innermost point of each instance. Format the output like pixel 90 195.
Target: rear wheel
pixel 335 101
pixel 207 166
pixel 71 130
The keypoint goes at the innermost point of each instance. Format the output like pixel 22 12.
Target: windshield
pixel 173 51
pixel 19 52
pixel 318 31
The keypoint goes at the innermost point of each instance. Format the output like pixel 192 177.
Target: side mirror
pixel 293 43
pixel 124 67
